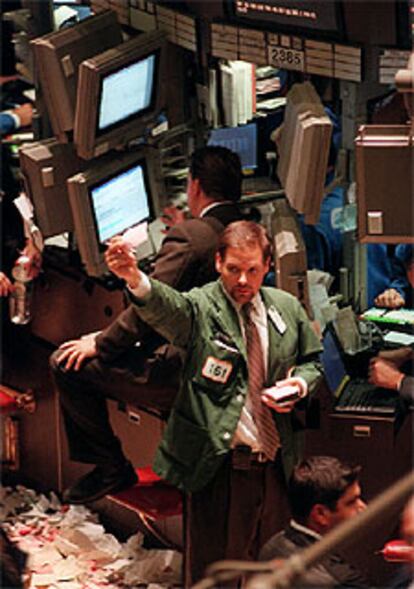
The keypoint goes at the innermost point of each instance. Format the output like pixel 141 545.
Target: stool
pixel 11 401
pixel 153 499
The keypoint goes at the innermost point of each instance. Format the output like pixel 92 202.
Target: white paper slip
pixel 396 337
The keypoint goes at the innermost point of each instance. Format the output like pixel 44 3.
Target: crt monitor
pixel 120 94
pixel 242 140
pixel 58 56
pixel 45 166
pixel 111 197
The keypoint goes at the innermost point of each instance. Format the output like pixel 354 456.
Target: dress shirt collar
pixel 213 205
pixel 304 529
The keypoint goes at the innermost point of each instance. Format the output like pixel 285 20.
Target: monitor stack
pixel 58 57
pixel 304 150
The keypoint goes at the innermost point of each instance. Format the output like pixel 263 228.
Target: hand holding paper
pixel 284 394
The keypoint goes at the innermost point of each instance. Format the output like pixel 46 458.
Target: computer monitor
pixel 45 167
pixel 384 181
pixel 120 93
pixel 242 140
pixel 306 17
pixel 58 56
pixel 332 361
pixel 109 198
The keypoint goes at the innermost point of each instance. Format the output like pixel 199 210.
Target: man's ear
pixel 321 516
pixel 218 262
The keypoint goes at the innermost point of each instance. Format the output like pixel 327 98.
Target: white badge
pixel 277 320
pixel 217 370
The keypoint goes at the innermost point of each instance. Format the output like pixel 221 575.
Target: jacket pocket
pixel 184 439
pixel 217 366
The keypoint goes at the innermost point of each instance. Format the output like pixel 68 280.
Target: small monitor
pixel 112 196
pixel 384 156
pixel 45 167
pixel 242 140
pixel 121 92
pixel 120 202
pixel 58 56
pixel 332 362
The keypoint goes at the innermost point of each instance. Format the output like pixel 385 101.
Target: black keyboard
pixel 360 396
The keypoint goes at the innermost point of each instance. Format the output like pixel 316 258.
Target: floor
pixel 68 548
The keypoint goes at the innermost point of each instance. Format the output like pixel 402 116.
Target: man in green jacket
pixel 228 443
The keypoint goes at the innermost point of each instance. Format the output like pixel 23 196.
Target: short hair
pixel 219 172
pixel 244 234
pixel 319 479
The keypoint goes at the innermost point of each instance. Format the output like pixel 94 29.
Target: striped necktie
pixel 262 415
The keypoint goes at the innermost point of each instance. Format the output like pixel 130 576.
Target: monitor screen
pixel 332 362
pixel 127 92
pixel 242 140
pixel 303 14
pixel 120 202
pixel 114 196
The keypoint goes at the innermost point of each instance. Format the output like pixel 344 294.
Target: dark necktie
pixel 262 415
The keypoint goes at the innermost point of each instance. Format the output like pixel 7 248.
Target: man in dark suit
pixel 128 360
pixel 323 492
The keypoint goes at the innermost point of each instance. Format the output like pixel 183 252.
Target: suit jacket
pixel 185 260
pixel 214 383
pixel 332 571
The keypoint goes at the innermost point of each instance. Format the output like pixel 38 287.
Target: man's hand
pixel 34 263
pixel 121 261
pixel 76 351
pixel 384 374
pixel 25 114
pixel 288 386
pixel 6 287
pixel 172 216
pixel 390 299
pixel 397 357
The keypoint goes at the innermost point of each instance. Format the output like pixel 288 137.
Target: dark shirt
pixel 332 571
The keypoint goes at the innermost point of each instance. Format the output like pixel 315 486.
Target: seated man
pixel 393 369
pixel 109 365
pixel 323 492
pixel 389 283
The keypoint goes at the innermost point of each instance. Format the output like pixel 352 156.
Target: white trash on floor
pixel 68 548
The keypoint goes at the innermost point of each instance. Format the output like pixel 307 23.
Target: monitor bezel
pixel 151 215
pixel 141 113
pixel 89 143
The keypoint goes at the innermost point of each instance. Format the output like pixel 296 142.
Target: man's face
pixel 242 271
pixel 347 506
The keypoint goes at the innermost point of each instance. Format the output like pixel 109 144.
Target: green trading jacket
pixel 214 378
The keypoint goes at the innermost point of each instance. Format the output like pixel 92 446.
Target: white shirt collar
pixel 294 524
pixel 213 205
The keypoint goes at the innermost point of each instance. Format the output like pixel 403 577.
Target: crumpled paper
pixel 68 548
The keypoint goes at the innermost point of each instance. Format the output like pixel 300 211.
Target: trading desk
pixel 66 305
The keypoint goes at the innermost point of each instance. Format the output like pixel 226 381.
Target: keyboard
pixel 360 396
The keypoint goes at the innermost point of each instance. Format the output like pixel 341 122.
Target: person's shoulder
pixel 277 295
pixel 193 226
pixel 278 546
